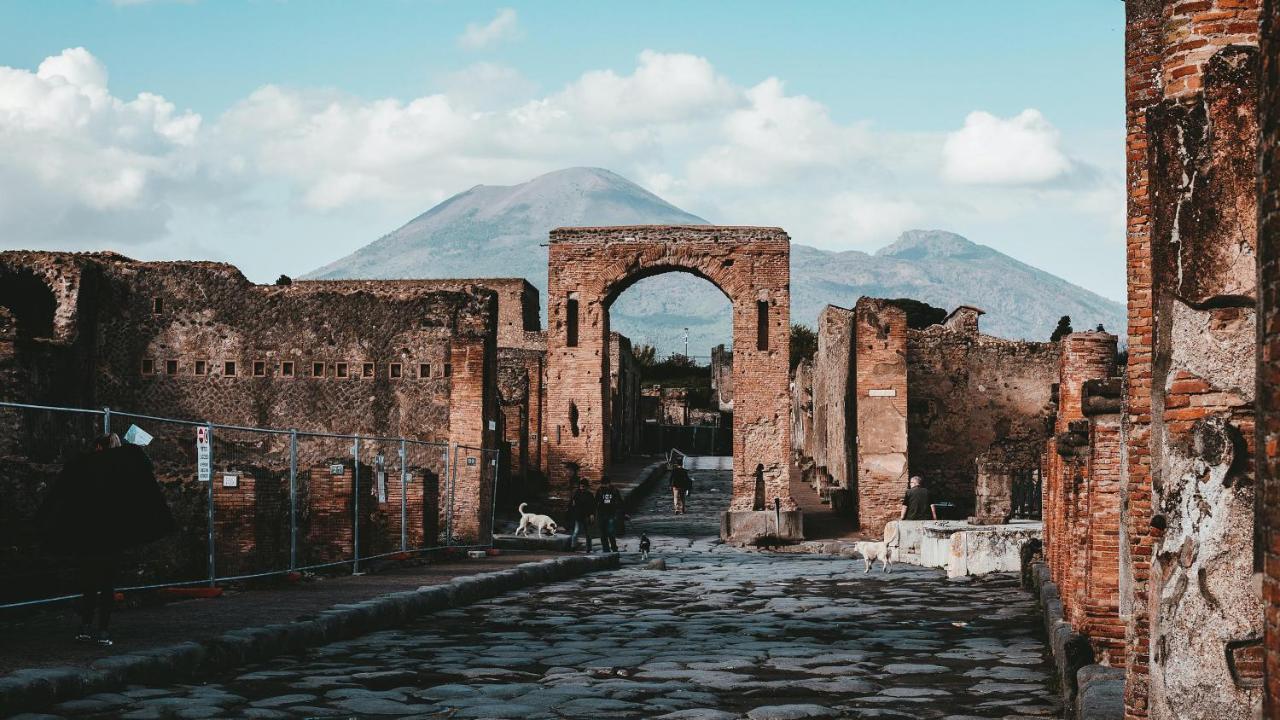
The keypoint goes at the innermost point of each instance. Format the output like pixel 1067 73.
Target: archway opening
pixel 679 327
pixel 31 303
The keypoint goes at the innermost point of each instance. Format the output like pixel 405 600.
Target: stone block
pixel 747 527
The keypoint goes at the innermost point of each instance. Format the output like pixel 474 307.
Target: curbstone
pixel 35 688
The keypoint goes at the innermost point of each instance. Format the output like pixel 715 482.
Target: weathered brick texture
pixel 197 340
pixel 1267 542
pixel 1191 88
pixel 590 267
pixel 880 369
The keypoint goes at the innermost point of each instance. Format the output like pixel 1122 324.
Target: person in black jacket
pixel 681 486
pixel 103 503
pixel 582 506
pixel 608 509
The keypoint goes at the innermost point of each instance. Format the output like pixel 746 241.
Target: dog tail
pixel 521 508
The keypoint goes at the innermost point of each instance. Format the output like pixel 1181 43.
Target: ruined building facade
pixel 883 399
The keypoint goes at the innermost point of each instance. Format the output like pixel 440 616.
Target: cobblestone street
pixel 719 634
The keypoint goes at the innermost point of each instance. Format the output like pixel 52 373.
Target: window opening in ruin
pixel 259 368
pixel 448 369
pixel 31 302
pixel 229 368
pixel 424 370
pixel 366 370
pixel 148 366
pixel 573 418
pixel 342 370
pixel 157 305
pixel 762 324
pixel 202 367
pixel 171 367
pixel 571 320
pixel 317 369
pixel 286 369
pixel 393 371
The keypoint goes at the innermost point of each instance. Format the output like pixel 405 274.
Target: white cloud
pixel 288 169
pixel 1021 150
pixel 504 26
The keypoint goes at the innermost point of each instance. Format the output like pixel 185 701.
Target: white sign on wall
pixel 204 455
pixel 890 392
pixel 230 481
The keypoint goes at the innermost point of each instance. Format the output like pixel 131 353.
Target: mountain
pixel 498 231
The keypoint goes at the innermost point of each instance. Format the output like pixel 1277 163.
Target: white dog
pixel 882 551
pixel 537 522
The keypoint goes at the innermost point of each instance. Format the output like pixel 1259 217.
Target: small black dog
pixel 644 546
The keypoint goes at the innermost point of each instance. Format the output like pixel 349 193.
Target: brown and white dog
pixel 537 522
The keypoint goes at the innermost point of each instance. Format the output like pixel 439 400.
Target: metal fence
pixel 249 502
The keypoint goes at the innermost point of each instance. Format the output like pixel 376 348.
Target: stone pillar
pixel 880 369
pixel 473 421
pixel 1101 607
pixel 833 386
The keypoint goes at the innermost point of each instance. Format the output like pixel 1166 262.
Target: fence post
pixel 404 502
pixel 213 572
pixel 453 477
pixel 293 499
pixel 355 491
pixel 106 420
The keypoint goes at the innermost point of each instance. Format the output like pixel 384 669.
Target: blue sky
pixel 884 93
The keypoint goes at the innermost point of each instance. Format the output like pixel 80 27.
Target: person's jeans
pixel 580 526
pixel 608 534
pixel 677 500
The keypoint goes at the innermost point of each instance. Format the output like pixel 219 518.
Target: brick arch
pixel 593 266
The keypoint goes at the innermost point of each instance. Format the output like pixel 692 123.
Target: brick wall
pixel 970 392
pixel 880 370
pixel 197 340
pixel 590 267
pixel 1191 89
pixel 1267 544
pixel 830 449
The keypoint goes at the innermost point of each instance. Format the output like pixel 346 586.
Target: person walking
pixel 681 485
pixel 104 502
pixel 608 510
pixel 582 506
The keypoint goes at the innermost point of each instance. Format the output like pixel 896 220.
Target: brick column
pixel 880 371
pixel 472 405
pixel 1267 540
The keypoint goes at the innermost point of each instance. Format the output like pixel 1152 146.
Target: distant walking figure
pixel 582 506
pixel 608 508
pixel 104 502
pixel 681 486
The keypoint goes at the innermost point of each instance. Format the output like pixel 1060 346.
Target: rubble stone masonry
pixel 196 340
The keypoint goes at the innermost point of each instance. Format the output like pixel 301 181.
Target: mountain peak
pixel 922 244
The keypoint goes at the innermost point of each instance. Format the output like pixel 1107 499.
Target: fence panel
pixel 247 502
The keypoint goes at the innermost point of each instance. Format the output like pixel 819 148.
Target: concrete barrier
pixel 32 689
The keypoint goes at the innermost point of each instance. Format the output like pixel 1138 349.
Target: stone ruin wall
pixel 1194 618
pixel 590 267
pixel 1081 505
pixel 129 335
pixel 969 393
pixel 881 400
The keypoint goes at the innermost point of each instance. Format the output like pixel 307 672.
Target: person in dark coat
pixel 103 503
pixel 582 506
pixel 681 486
pixel 915 504
pixel 608 512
